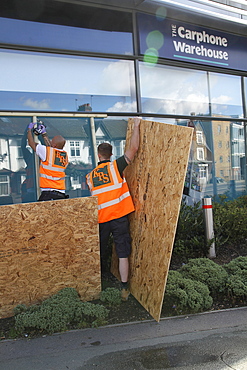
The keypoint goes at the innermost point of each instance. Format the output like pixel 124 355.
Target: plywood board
pixel 156 181
pixel 47 246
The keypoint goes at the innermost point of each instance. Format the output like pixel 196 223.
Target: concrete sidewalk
pixel 208 341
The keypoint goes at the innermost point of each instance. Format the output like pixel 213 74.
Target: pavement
pixel 215 340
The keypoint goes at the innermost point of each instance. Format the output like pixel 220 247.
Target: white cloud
pixel 123 107
pixel 35 104
pixel 222 99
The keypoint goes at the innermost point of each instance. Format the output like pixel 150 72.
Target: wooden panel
pixel 156 181
pixel 47 246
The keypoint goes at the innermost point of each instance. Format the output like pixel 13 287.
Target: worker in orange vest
pixel 54 161
pixel 108 183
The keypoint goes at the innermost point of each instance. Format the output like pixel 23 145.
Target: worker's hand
pixel 31 125
pixel 42 129
pixel 137 121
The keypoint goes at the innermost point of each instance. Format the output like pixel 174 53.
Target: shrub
pixel 186 295
pixel 229 221
pixel 58 312
pixel 208 272
pixel 236 266
pixel 190 234
pixel 237 279
pixel 112 296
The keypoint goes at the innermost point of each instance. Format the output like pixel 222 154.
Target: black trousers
pixel 52 195
pixel 119 228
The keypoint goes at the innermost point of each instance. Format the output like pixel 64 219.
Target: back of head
pixel 58 142
pixel 105 150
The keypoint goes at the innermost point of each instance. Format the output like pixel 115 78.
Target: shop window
pixel 170 90
pixel 51 82
pixel 64 26
pixel 225 93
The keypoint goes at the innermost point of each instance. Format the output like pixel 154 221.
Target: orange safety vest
pixel 114 199
pixel 52 170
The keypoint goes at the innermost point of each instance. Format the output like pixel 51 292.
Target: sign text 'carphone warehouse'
pixel 199 37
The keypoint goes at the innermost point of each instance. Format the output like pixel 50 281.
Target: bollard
pixel 209 225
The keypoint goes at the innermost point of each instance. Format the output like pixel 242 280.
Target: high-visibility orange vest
pixel 114 199
pixel 52 170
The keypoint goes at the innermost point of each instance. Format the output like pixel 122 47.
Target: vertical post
pixel 209 225
pixel 94 148
pixel 36 164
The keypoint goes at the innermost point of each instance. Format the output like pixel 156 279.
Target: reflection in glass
pixel 51 82
pixel 17 167
pixel 79 28
pixel 216 162
pixel 168 90
pixel 225 94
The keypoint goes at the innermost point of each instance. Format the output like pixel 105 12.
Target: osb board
pixel 47 246
pixel 156 180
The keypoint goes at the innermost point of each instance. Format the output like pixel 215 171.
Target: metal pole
pixel 36 163
pixel 209 224
pixel 94 145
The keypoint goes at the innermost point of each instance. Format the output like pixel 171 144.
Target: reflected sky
pixel 168 90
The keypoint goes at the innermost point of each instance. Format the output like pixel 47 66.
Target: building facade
pixel 84 67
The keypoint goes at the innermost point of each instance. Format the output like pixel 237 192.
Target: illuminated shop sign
pixel 171 39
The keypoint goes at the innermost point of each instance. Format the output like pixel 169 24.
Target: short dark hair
pixel 105 150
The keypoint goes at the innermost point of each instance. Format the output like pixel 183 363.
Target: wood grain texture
pixel 156 181
pixel 47 246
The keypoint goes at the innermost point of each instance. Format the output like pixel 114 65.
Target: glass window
pixel 199 137
pixel 225 93
pixel 200 154
pixel 215 169
pixel 70 27
pixel 4 185
pixel 169 90
pixel 51 82
pixel 17 175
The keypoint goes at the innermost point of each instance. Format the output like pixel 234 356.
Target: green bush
pixel 112 296
pixel 186 295
pixel 229 217
pixel 58 313
pixel 208 272
pixel 190 234
pixel 237 279
pixel 236 266
pixel 230 228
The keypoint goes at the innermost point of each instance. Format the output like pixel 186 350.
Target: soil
pixel 132 310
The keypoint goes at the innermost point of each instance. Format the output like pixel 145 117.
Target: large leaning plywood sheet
pixel 47 246
pixel 156 181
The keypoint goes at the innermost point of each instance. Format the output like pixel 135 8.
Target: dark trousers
pixel 52 195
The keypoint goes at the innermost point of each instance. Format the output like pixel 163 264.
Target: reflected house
pixel 200 161
pixel 12 163
pixel 228 150
pixel 202 155
pixel 113 132
pixel 17 171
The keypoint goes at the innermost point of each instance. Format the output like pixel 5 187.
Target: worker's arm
pixel 134 141
pixel 46 139
pixel 30 138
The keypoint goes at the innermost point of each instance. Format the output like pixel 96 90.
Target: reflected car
pixel 218 180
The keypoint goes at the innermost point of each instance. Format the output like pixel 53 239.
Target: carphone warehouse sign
pixel 176 40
